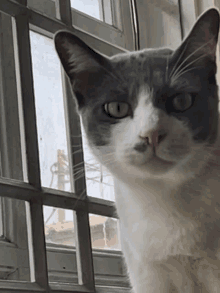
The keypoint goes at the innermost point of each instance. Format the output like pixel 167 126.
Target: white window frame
pixel 20 161
pixel 120 33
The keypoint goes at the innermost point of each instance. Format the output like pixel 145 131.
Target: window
pixel 95 8
pixel 58 226
pixel 110 20
pixel 54 233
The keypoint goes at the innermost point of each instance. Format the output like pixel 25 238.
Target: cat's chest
pixel 149 223
pixel 138 203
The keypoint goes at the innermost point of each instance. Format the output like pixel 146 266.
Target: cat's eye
pixel 182 102
pixel 117 109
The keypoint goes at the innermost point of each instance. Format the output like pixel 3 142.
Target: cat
pixel 151 118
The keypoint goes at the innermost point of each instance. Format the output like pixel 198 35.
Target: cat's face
pixel 150 112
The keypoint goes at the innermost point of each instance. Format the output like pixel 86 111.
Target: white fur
pixel 162 235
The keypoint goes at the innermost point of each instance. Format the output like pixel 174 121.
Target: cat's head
pixel 149 112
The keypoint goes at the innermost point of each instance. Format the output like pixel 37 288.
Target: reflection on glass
pixel 99 182
pixel 50 114
pixel 104 232
pixel 90 7
pixel 59 226
pixel 54 164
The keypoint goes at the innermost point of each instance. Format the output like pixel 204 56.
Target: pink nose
pixel 153 138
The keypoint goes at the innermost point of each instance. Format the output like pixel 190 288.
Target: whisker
pixel 76 165
pixel 108 161
pixel 174 68
pixel 79 176
pixel 78 172
pixel 90 169
pixel 109 156
pixel 176 77
pixel 104 183
pixel 184 61
pixel 77 145
pixel 80 135
pixel 93 162
pixel 79 198
pixel 90 179
pixel 181 72
pixel 77 152
pixel 87 161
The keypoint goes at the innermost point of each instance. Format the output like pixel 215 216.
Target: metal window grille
pixel 31 191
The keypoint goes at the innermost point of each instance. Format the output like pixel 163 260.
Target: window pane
pixel 14 253
pixel 59 227
pixel 99 182
pixel 104 232
pixel 59 233
pixel 50 114
pixel 90 7
pixel 54 163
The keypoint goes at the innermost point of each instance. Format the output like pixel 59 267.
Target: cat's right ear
pixel 81 63
pixel 74 54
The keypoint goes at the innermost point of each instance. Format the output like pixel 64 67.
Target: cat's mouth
pixel 157 160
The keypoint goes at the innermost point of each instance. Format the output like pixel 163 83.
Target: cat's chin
pixel 158 165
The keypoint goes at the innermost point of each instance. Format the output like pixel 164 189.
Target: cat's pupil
pixel 117 109
pixel 182 102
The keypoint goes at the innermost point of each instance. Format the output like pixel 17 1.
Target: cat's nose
pixel 154 137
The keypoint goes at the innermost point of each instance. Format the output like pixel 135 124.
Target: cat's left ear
pixel 202 40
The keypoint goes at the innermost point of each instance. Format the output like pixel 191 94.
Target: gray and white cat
pixel 151 117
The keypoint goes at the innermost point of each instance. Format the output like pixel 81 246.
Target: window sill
pixel 109 266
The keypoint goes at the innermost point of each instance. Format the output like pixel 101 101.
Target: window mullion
pixel 81 218
pixel 63 11
pixel 26 98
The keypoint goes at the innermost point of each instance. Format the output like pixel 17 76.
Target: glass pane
pixel 59 226
pixel 50 114
pixel 99 181
pixel 14 252
pixel 90 7
pixel 59 232
pixel 104 232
